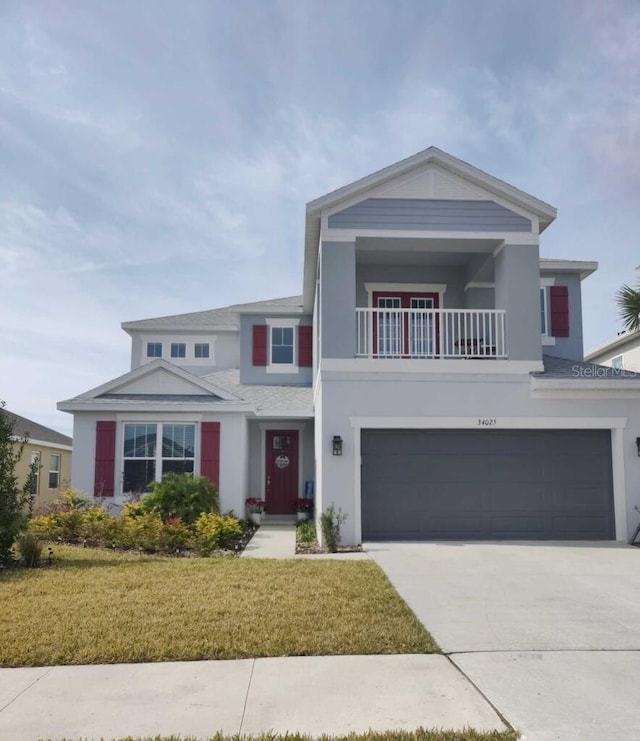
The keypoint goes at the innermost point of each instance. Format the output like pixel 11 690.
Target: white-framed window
pixel 618 362
pixel 178 349
pixel 154 349
pixel 201 350
pixel 36 457
pixel 282 339
pixel 54 471
pixel 545 311
pixel 150 450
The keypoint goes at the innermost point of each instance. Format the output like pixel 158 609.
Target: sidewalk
pixel 272 541
pixel 315 695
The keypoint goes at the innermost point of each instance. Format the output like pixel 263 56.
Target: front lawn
pixel 95 606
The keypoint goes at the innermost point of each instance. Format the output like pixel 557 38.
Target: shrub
pixel 175 536
pixel 306 532
pixel 45 527
pixel 181 495
pixel 215 531
pixel 330 522
pixel 143 532
pixel 30 550
pixel 92 525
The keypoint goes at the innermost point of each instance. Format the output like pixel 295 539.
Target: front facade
pixel 51 450
pixel 429 382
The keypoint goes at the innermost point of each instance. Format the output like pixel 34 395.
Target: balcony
pixel 427 334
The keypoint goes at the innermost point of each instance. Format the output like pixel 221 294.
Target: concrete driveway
pixel 549 632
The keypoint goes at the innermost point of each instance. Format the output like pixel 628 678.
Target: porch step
pixel 280 519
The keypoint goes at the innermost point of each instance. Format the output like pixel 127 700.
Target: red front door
pixel 281 470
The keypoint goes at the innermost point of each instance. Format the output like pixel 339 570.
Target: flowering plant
pixel 304 504
pixel 255 505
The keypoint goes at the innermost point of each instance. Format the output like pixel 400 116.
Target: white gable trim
pixel 148 369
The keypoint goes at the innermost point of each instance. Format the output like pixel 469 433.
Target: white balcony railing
pixel 431 333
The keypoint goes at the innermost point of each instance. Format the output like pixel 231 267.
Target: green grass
pixel 420 735
pixel 101 607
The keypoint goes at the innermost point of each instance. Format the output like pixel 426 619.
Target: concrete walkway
pixel 315 695
pixel 272 541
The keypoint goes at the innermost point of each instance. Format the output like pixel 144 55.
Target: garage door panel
pixel 487 484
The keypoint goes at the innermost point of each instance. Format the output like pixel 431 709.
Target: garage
pixel 487 485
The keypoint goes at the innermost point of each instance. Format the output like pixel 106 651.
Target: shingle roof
pixel 227 316
pixel 578 369
pixel 35 431
pixel 270 398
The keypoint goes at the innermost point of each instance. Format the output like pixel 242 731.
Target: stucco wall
pixel 45 495
pixel 570 347
pixel 473 397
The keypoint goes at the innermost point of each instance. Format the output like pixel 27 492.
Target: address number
pixel 487 422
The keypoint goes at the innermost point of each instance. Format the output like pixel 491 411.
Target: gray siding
pixel 254 374
pixel 338 299
pixel 225 349
pixel 518 292
pixel 433 215
pixel 571 347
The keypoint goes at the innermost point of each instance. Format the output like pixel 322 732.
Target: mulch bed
pixel 310 549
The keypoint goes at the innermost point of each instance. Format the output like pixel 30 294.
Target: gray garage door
pixel 488 484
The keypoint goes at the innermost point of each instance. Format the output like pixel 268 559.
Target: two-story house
pixel 429 381
pixel 621 353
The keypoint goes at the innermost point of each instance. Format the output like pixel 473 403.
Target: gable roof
pixel 226 318
pixel 109 390
pixel 34 431
pixel 545 212
pixel 625 340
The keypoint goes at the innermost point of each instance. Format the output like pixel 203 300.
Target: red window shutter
pixel 210 452
pixel 105 459
pixel 259 344
pixel 305 346
pixel 559 300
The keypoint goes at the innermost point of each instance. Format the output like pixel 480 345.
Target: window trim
pixel 154 357
pixel 614 358
pixel 178 345
pixel 55 471
pixel 158 458
pixel 545 284
pixel 282 323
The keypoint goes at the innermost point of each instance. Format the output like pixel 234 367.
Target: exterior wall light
pixel 637 445
pixel 337 445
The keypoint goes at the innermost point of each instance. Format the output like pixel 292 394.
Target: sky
pixel 156 156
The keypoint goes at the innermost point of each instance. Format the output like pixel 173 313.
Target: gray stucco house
pixel 429 381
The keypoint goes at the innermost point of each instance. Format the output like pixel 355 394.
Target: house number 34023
pixel 487 422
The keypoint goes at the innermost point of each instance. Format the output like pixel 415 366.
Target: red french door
pixel 281 471
pixel 398 333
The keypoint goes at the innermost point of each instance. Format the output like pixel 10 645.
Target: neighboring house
pixel 51 449
pixel 429 381
pixel 621 353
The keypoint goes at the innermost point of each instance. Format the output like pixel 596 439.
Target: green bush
pixel 144 532
pixel 181 495
pixel 30 550
pixel 92 526
pixel 175 536
pixel 306 532
pixel 330 522
pixel 215 531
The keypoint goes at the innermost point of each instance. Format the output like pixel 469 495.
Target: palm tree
pixel 628 300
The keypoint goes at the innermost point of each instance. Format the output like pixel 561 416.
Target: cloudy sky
pixel 156 155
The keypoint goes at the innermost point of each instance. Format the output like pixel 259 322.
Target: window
pixel 144 461
pixel 178 350
pixel 544 310
pixel 201 350
pixel 54 471
pixel 282 345
pixel 35 458
pixel 154 349
pixel 618 362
